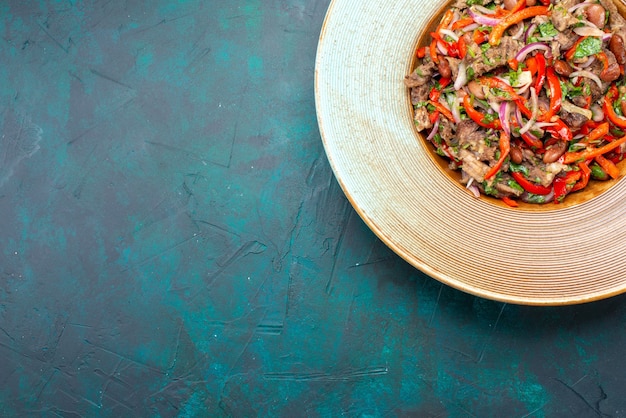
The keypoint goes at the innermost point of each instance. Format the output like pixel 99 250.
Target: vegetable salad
pixel 527 98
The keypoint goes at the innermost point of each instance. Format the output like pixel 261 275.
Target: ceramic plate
pixel 551 255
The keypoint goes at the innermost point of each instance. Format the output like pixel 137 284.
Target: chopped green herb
pixel 535 198
pixel 489 188
pixel 515 185
pixel 587 47
pixel 490 117
pixel 518 168
pixel 547 30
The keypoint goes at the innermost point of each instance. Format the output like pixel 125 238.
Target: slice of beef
pixel 472 166
pixel 421 75
pixel 561 17
pixel 481 62
pixel 474 139
pixel 422 119
pixel 419 94
pixel 502 186
pixel 446 130
pixel 566 39
pixel 454 66
pixel 544 173
pixel 573 120
pixel 466 127
pixel 580 101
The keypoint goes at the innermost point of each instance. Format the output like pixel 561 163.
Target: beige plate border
pixel 561 256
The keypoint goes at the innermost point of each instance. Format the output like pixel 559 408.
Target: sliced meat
pixel 561 18
pixel 421 75
pixel 419 94
pixel 466 127
pixel 474 139
pixel 446 130
pixel 454 66
pixel 422 119
pixel 544 173
pixel 502 186
pixel 493 57
pixel 566 39
pixel 472 166
pixel 573 120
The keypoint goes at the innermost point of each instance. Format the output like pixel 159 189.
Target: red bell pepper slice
pixel 570 157
pixel 570 52
pixel 541 72
pixel 433 51
pixel 442 109
pixel 510 202
pixel 598 132
pixel 461 23
pixel 505 148
pixel 513 18
pixel 477 116
pixel 462 44
pixel 564 185
pixel 531 64
pixel 518 6
pixel 608 166
pixel 615 119
pixel 584 179
pixel 560 130
pixel 529 186
pixel 555 94
pixel 480 36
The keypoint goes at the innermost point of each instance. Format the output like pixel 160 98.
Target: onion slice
pixel 505 117
pixel 535 46
pixel 530 31
pixel 449 33
pixel 432 133
pixel 535 109
pixel 597 112
pixel 578 6
pixel 588 74
pixel 520 31
pixel 461 78
pixel 585 64
pixel 482 19
pixel 592 31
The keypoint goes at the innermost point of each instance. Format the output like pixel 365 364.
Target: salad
pixel 526 98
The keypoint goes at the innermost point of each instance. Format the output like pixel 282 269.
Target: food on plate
pixel 526 98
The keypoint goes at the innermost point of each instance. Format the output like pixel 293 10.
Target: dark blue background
pixel 174 243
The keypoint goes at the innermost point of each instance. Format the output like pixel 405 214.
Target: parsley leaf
pixel 547 30
pixel 588 46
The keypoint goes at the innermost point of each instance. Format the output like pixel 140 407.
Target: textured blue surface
pixel 173 241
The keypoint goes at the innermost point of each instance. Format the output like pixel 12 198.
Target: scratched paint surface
pixel 173 241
